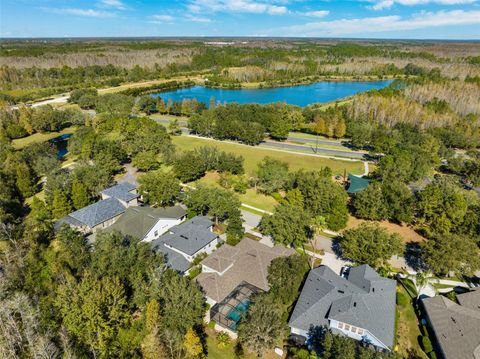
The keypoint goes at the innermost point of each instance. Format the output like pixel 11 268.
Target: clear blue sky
pixel 434 19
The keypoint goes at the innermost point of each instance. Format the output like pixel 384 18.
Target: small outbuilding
pixel 356 184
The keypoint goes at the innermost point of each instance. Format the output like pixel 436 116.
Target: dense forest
pixel 32 70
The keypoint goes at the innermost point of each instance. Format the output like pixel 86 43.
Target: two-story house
pixel 102 214
pixel 361 306
pixel 182 243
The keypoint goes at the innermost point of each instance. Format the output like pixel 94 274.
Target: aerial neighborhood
pixel 312 192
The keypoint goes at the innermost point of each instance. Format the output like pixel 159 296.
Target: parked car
pixel 344 272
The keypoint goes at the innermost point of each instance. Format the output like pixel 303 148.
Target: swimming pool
pixel 236 313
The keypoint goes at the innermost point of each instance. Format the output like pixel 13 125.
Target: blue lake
pixel 302 95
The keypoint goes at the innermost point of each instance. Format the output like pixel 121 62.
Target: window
pixel 340 326
pixel 354 329
pixel 347 327
pixel 360 331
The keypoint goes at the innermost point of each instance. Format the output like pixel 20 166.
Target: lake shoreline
pixel 269 85
pixel 294 94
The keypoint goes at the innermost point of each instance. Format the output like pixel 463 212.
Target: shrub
pixel 432 355
pixel 194 271
pixel 427 344
pixel 223 339
pixel 452 296
pixel 424 330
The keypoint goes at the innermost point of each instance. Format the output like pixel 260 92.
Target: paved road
pixel 293 147
pixel 310 140
pixel 320 151
pixel 62 99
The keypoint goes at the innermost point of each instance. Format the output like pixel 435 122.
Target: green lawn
pixel 157 116
pixel 254 155
pixel 251 197
pixel 258 200
pixel 408 330
pixel 20 143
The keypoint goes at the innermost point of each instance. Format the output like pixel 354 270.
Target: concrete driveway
pixel 335 263
pixel 251 220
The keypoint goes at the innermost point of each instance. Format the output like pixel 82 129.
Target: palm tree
pixel 317 225
pixel 421 280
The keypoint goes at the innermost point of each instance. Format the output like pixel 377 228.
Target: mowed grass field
pixel 250 197
pixel 20 143
pixel 254 155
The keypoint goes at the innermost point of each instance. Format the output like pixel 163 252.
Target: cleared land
pixel 254 155
pixel 20 143
pixel 408 234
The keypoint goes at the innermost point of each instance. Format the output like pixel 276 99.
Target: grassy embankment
pixel 408 331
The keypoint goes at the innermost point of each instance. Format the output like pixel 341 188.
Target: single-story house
pixel 183 242
pixel 230 266
pixel 361 306
pixel 231 275
pixel 103 213
pixel 456 327
pixel 148 223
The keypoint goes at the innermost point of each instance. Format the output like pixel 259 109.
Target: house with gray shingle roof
pixel 183 242
pixel 103 213
pixel 456 327
pixel 148 223
pixel 125 192
pixel 361 306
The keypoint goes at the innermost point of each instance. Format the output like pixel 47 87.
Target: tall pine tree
pixel 61 205
pixel 80 197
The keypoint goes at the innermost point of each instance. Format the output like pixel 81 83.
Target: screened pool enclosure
pixel 229 311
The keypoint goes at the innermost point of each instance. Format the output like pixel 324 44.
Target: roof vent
pixel 341 291
pixel 354 304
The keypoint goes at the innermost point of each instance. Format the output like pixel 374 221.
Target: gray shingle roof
pixel 98 212
pixel 190 236
pixel 174 260
pixel 121 191
pixel 456 327
pixel 68 221
pixel 138 221
pixel 364 299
